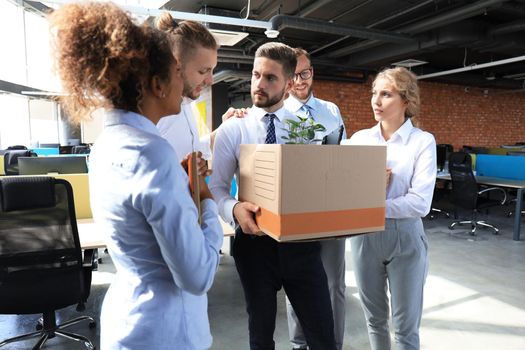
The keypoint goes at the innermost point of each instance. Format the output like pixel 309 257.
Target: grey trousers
pixel 394 259
pixel 333 258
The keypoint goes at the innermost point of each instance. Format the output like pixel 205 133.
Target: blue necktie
pixel 270 131
pixel 307 112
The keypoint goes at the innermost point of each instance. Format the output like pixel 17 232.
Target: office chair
pixel 442 153
pixel 41 264
pixel 465 192
pixel 11 159
pixel 81 149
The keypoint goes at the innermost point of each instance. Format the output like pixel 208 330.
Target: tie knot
pixel 306 110
pixel 270 116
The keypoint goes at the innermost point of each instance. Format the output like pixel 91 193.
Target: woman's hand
pixel 388 176
pixel 202 165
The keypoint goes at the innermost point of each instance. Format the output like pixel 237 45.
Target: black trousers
pixel 264 266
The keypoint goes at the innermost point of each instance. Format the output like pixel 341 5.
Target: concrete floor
pixel 474 298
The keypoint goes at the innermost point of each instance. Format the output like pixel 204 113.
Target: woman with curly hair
pixel 165 260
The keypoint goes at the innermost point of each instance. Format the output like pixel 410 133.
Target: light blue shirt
pixel 323 112
pixel 226 153
pixel 165 261
pixel 411 154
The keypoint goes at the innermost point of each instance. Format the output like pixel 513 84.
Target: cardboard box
pixel 314 191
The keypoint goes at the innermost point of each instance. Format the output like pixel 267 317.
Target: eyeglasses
pixel 305 74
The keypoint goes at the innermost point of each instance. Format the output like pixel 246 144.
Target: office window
pixel 12 42
pixel 44 122
pixel 39 62
pixel 14 121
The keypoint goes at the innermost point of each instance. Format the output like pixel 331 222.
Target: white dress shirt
pixel 230 135
pixel 323 112
pixel 181 132
pixel 165 261
pixel 411 154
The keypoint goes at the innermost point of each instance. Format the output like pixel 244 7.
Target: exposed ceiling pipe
pixel 451 16
pixel 228 56
pixel 228 74
pixel 473 67
pixel 232 21
pixel 383 20
pixel 281 22
pixel 428 24
pixel 516 26
pixel 312 7
pixel 458 35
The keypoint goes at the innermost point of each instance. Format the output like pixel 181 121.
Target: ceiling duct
pixel 229 75
pixel 447 18
pixel 281 22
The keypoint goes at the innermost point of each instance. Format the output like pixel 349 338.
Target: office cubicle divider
pixel 500 166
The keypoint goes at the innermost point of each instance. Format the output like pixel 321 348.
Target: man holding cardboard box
pixel 302 102
pixel 265 265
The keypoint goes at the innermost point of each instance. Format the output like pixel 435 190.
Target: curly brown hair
pixel 104 59
pixel 185 36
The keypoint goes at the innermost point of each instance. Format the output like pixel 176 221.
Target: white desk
pixel 91 238
pixel 501 182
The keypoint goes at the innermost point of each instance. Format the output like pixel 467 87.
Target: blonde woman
pixel 396 259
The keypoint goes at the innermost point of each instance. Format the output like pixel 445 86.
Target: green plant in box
pixel 302 131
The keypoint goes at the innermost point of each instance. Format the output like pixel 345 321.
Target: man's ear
pixel 157 86
pixel 289 84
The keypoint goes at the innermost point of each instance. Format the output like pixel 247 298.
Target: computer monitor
pixel 441 156
pixel 443 151
pixel 46 165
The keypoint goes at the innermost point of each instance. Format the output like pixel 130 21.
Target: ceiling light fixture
pixel 227 37
pixel 473 67
pixel 271 33
pixel 409 63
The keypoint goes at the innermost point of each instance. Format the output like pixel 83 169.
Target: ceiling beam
pixel 281 22
pixel 446 18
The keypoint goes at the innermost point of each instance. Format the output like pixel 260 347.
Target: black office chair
pixel 442 153
pixel 81 149
pixel 41 264
pixel 466 195
pixel 11 159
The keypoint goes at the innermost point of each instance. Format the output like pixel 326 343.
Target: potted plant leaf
pixel 302 131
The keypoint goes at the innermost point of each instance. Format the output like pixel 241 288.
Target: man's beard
pixel 188 90
pixel 269 101
pixel 308 93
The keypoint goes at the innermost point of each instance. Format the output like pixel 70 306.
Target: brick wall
pixel 454 114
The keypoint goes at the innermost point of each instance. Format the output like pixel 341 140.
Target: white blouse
pixel 411 154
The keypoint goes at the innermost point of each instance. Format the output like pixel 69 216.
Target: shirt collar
pixel 260 113
pixel 403 132
pixel 119 116
pixel 186 100
pixel 294 105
